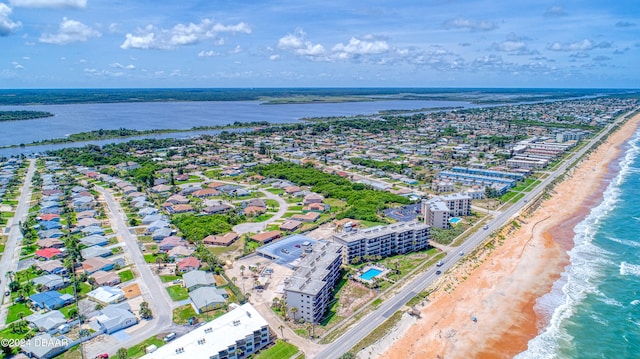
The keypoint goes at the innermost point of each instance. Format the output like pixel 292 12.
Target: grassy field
pixel 168 278
pixel 277 191
pixel 138 351
pixel 280 350
pixel 182 314
pixel 177 292
pixel 125 275
pixel 15 310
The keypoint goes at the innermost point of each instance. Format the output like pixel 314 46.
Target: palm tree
pixel 242 268
pixel 281 327
pixel 10 275
pixel 294 310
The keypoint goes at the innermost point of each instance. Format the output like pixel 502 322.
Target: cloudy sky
pixel 329 43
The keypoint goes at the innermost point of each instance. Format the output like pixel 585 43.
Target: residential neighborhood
pixel 285 232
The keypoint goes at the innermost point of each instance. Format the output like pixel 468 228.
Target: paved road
pixel 9 261
pixel 420 283
pixel 150 285
pixel 259 226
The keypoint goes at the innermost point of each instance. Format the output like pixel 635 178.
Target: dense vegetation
pixel 196 228
pixel 364 203
pixel 23 115
pixel 530 123
pixel 381 165
pixel 71 96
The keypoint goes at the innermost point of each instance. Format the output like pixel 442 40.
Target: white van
pixel 169 337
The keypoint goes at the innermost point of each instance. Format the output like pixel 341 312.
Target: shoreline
pixel 500 287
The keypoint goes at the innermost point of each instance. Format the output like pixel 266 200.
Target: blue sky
pixel 424 43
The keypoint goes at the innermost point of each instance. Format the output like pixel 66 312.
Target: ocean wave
pixel 629 269
pixel 581 276
pixel 625 242
pixel 635 302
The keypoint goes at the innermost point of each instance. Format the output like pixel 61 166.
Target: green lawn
pixel 277 191
pixel 150 258
pixel 138 350
pixel 272 203
pixel 182 314
pixel 83 288
pixel 168 278
pixel 280 350
pixel 126 275
pixel 15 310
pixel 177 292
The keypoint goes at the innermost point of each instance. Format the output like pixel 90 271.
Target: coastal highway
pixel 422 281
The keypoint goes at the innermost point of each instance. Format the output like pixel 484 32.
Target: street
pixel 11 255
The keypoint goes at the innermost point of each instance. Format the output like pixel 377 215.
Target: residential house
pixel 50 243
pixel 50 282
pixel 46 225
pixel 50 300
pixel 46 321
pixel 253 211
pixel 290 225
pixel 161 188
pixel 152 217
pixel 44 346
pixel 196 278
pixel 103 278
pixel 170 242
pixel 94 264
pixel 87 222
pixel 188 264
pixel 51 267
pixel 312 198
pixel 266 237
pixel 106 295
pixel 224 240
pixel 179 208
pixel 49 253
pixel 307 217
pixel 95 251
pixel 221 208
pixel 205 193
pixel 92 230
pixel 314 207
pixel 179 252
pixel 94 240
pixel 116 317
pixel 161 234
pixel 51 233
pixel 177 199
pixel 205 299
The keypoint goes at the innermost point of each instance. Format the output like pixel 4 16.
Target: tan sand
pixel 501 288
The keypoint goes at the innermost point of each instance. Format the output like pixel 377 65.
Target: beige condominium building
pixel 438 210
pixel 397 238
pixel 310 289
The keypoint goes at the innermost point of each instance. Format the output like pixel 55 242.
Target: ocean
pixel 594 308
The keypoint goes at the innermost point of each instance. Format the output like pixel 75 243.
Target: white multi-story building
pixel 397 238
pixel 310 289
pixel 438 210
pixel 235 335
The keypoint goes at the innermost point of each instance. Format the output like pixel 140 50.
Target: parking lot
pixel 405 213
pixel 287 250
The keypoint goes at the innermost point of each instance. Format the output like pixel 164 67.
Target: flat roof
pixel 379 231
pixel 214 336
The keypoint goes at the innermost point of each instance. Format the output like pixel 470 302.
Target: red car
pixel 102 356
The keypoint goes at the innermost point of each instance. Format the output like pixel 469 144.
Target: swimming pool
pixel 455 220
pixel 370 273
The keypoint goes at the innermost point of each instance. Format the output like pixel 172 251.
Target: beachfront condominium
pixel 438 210
pixel 234 335
pixel 383 241
pixel 310 289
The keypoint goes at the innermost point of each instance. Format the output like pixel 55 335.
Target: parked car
pixel 169 337
pixel 438 272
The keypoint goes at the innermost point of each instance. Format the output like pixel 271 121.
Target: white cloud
pixel 236 50
pixel 555 11
pixel 68 32
pixel 366 46
pixel 274 57
pixel 6 24
pixel 117 65
pixel 296 42
pixel 154 38
pixel 209 53
pixel 513 44
pixel 49 3
pixel 584 45
pixel 462 23
pixel 17 66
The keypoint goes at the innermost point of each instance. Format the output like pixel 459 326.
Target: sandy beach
pixel 501 285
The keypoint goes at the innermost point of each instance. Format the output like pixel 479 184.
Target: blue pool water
pixel 370 273
pixel 455 220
